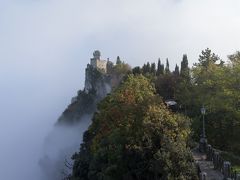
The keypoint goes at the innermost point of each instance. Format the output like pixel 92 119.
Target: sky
pixel 45 46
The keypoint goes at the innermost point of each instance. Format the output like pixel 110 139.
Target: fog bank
pixel 59 146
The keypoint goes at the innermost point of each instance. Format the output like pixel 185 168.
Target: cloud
pixel 59 146
pixel 151 28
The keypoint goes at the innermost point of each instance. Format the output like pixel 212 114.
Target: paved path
pixel 206 166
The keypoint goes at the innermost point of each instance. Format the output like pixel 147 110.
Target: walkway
pixel 206 166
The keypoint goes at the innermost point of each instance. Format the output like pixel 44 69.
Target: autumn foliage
pixel 134 136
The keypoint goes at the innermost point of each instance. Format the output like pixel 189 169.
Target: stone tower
pixel 97 63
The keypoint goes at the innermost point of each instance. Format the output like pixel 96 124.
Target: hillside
pixel 134 136
pixel 98 83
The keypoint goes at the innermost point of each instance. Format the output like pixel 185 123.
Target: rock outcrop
pixel 98 84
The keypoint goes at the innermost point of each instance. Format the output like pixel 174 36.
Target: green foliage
pixel 185 72
pixel 235 160
pixel 216 86
pixel 118 61
pixel 110 66
pixel 165 81
pixel 235 58
pixel 94 74
pixel 84 104
pixel 167 70
pixel 153 69
pixel 213 84
pixel 184 86
pixel 160 68
pixel 176 71
pixel 136 70
pixel 146 68
pixel 133 136
pixel 120 68
pixel 207 58
pixel 166 86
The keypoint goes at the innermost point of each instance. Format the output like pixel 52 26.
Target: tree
pixel 110 66
pixel 158 67
pixel 118 61
pixel 184 72
pixel 165 86
pixel 167 70
pixel 153 69
pixel 217 87
pixel 148 67
pixel 184 86
pixel 133 136
pixel 207 58
pixel 235 58
pixel 137 70
pixel 176 71
pixel 144 69
pixel 121 69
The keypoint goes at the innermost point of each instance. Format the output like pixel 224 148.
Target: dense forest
pixel 212 83
pixel 135 136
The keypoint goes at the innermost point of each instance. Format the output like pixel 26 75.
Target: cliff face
pixel 76 118
pixel 101 77
pixel 98 82
pixel 97 86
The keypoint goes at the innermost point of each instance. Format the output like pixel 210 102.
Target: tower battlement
pixel 97 63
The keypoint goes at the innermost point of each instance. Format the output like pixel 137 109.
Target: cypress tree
pixel 159 67
pixel 176 71
pixel 118 60
pixel 162 69
pixel 167 70
pixel 153 68
pixel 144 69
pixel 184 72
pixel 148 68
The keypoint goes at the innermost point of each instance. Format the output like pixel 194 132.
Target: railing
pixel 220 164
pixel 202 175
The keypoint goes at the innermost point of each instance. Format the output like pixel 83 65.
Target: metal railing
pixel 220 164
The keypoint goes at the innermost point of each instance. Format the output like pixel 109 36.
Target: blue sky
pixel 46 44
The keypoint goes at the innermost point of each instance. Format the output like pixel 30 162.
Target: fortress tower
pixel 97 63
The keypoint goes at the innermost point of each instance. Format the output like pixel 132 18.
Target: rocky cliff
pixel 65 137
pixel 97 86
